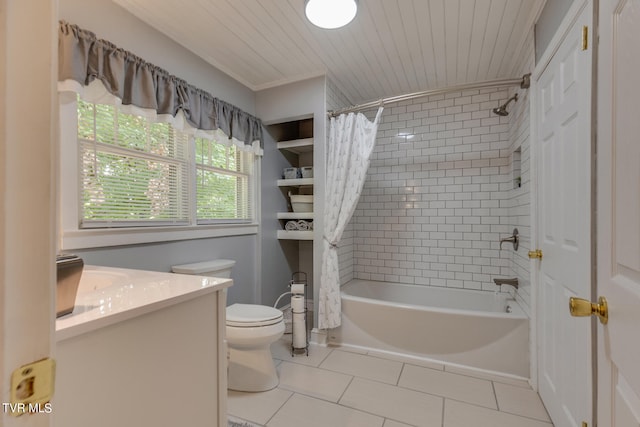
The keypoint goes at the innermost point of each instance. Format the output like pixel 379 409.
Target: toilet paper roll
pixel 297 304
pixel 299 331
pixel 297 288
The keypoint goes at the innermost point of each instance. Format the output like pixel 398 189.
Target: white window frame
pixel 71 236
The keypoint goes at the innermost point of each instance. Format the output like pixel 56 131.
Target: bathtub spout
pixel 513 282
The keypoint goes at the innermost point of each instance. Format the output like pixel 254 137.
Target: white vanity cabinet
pixel 142 349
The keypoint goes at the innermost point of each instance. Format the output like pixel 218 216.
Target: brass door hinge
pixel 585 37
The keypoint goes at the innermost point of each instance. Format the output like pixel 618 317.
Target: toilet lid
pixel 251 315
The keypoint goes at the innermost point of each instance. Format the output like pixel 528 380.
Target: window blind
pixel 224 186
pixel 133 172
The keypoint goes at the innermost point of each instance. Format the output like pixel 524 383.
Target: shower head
pixel 502 110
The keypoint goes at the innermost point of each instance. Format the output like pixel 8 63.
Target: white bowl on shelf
pixel 302 203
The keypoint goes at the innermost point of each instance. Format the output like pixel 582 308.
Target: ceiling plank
pixel 412 33
pixel 526 22
pixel 387 79
pixel 465 34
pixel 426 43
pixel 385 29
pixel 436 13
pixel 492 30
pixel 391 47
pixel 452 28
pixel 481 15
pixel 506 36
pixel 401 43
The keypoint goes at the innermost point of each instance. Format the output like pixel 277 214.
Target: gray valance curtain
pixel 84 58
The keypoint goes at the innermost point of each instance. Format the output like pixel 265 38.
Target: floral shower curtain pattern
pixel 351 141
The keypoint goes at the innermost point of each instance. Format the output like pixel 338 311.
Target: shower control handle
pixel 514 238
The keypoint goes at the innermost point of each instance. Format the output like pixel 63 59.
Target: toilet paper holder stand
pixel 298 287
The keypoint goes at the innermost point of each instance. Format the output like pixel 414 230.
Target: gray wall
pixel 161 256
pixel 115 24
pixel 548 22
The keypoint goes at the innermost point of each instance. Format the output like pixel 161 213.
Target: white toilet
pixel 250 330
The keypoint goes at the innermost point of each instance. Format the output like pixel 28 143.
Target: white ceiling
pixel 392 47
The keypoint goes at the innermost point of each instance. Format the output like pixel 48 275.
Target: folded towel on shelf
pixel 291 226
pixel 299 225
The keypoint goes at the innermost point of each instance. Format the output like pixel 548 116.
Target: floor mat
pixel 237 422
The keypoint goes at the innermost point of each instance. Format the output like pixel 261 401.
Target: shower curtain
pixel 351 141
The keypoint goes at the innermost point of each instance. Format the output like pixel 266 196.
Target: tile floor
pixel 334 387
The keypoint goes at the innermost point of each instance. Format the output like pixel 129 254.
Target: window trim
pixel 71 236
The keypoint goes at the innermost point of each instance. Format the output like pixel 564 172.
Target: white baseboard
pixel 318 337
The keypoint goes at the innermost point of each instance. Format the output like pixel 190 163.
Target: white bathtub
pixel 456 327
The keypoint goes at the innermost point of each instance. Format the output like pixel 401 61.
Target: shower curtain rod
pixel 524 82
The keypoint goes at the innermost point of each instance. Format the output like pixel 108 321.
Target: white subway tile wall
pixel 435 202
pixel 440 192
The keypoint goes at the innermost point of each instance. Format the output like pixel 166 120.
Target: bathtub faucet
pixel 514 238
pixel 513 282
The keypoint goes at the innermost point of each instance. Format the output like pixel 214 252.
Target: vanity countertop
pixel 108 295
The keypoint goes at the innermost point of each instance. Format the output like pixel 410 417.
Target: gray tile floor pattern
pixel 335 387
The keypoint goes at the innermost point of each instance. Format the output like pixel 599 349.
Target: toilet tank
pixel 214 268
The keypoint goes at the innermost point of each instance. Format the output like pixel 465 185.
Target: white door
pixel 28 149
pixel 563 112
pixel 618 221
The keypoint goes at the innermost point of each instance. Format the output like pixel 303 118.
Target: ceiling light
pixel 330 14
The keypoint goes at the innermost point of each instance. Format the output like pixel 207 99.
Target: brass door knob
pixel 535 254
pixel 579 307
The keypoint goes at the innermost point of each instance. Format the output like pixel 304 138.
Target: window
pixel 223 182
pixel 138 173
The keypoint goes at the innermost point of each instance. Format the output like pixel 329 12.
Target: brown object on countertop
pixel 68 278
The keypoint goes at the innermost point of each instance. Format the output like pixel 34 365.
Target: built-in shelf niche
pixel 295 142
pixel 516 167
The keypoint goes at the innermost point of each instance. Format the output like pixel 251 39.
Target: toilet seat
pixel 252 315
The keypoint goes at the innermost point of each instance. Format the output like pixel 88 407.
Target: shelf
pixel 296 182
pixel 295 235
pixel 297 146
pixel 295 141
pixel 295 215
